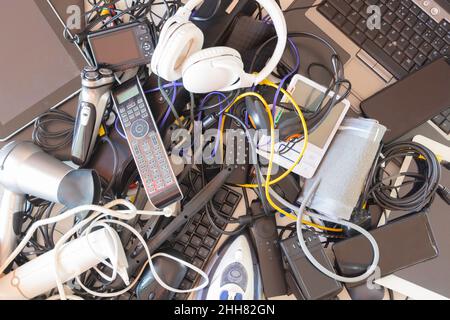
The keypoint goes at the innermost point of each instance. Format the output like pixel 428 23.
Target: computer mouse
pixel 170 271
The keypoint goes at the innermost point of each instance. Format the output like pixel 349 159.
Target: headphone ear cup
pixel 181 41
pixel 212 69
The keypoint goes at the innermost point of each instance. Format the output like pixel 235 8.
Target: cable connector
pixel 445 164
pixel 444 193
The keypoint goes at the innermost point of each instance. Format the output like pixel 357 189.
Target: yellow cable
pixel 272 153
pixel 305 130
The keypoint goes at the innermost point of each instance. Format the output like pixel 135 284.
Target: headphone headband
pixel 279 22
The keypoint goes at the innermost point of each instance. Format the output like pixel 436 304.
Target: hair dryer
pixel 26 169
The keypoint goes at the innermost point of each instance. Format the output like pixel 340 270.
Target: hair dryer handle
pixel 11 204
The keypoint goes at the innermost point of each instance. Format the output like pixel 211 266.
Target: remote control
pixel 146 144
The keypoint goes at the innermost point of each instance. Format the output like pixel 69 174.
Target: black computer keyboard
pixel 408 38
pixel 442 120
pixel 198 239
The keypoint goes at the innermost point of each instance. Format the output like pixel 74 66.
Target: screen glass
pixel 115 48
pixel 33 61
pixel 127 94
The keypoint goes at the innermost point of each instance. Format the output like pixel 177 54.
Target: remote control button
pixel 139 129
pixel 147 46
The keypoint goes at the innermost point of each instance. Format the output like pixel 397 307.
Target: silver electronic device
pixel 94 97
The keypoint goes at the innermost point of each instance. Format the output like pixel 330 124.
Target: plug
pixel 444 193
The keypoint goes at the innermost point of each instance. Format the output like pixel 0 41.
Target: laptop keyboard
pixel 198 239
pixel 408 37
pixel 442 120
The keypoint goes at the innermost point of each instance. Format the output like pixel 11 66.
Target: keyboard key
pixel 445 126
pixel 356 4
pixel 420 27
pixel 402 43
pixel 445 50
pixel 431 24
pixel 407 64
pixel 196 241
pixel 384 59
pixel 398 25
pixel 437 120
pixel 393 4
pixel 434 55
pixel 327 10
pixel 363 12
pixel 402 12
pixel 415 9
pixel 399 56
pixel 190 251
pixel 393 35
pixel 358 37
pixel 440 32
pixel 341 6
pixel 429 35
pixel 371 34
pixel 390 48
pixel 438 44
pixel 362 25
pixel 416 40
pixel 423 16
pixel 411 20
pixel 407 33
pixel 203 252
pixel 354 17
pixel 209 242
pixel 389 17
pixel 411 51
pixel 446 113
pixel 385 27
pixel 447 38
pixel 426 48
pixel 420 59
pixel 348 28
pixel 339 20
pixel 407 3
pixel 201 230
pixel 380 40
pixel 444 24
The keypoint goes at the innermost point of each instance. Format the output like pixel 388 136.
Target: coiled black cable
pixel 425 181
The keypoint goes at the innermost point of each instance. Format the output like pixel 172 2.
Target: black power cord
pixel 424 183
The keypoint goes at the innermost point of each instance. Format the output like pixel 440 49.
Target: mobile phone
pixel 402 243
pixel 411 101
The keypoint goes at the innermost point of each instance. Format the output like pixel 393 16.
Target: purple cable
pixel 119 130
pixel 166 86
pixel 297 65
pixel 205 98
pixel 174 97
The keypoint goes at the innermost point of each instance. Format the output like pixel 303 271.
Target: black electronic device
pixel 146 145
pixel 412 101
pixel 265 235
pixel 312 283
pixel 217 29
pixel 198 239
pixel 122 47
pixel 171 273
pixel 402 243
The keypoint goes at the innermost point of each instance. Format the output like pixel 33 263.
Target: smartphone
pixel 402 243
pixel 411 101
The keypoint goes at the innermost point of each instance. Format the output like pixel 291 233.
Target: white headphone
pixel 179 54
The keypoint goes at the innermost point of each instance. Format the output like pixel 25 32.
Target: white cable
pixel 95 220
pixel 301 240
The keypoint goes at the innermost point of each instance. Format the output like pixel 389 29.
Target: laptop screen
pixel 33 61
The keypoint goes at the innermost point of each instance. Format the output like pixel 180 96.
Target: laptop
pixel 40 69
pixel 412 34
